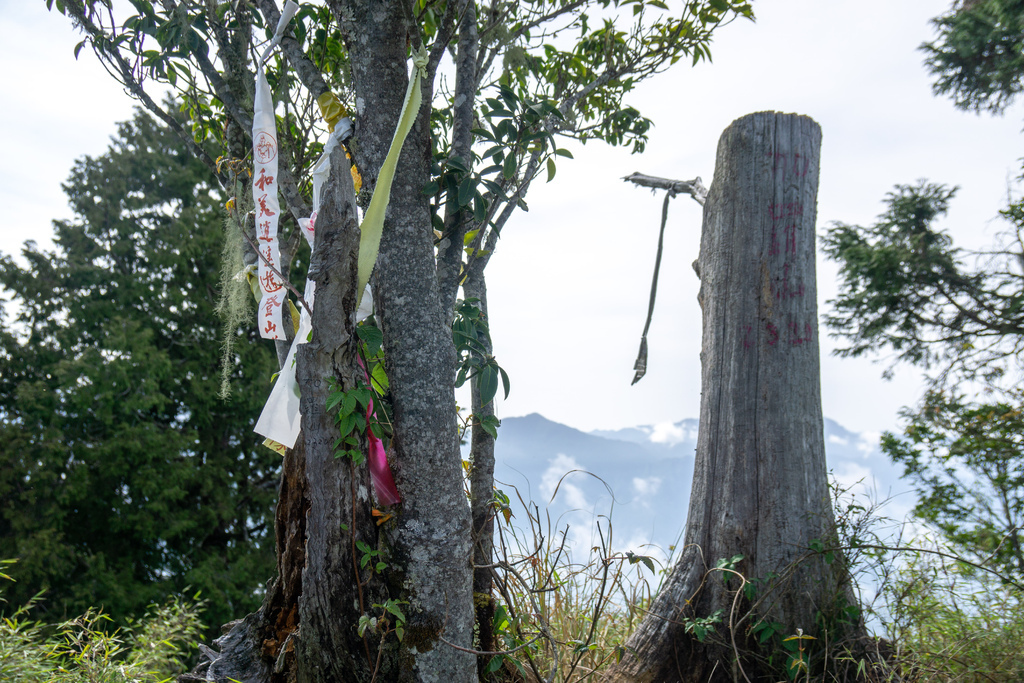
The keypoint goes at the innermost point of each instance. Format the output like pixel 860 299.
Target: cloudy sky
pixel 568 285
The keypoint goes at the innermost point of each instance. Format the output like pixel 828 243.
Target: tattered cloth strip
pixel 697 190
pixel 641 360
pixel 373 222
pixel 269 313
pixel 380 472
pixel 332 109
pixel 281 420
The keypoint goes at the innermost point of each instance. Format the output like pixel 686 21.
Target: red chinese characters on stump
pixel 786 221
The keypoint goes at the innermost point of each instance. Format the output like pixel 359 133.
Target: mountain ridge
pixel 639 477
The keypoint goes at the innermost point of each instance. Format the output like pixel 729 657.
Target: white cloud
pixel 668 433
pixel 855 478
pixel 832 438
pixel 868 442
pixel 646 486
pixel 555 478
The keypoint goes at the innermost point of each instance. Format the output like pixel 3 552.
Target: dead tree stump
pixel 760 487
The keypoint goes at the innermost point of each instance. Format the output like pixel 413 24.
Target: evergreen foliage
pixel 978 58
pixel 907 288
pixel 123 477
pixel 966 461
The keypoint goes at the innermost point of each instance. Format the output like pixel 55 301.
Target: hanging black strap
pixel 641 360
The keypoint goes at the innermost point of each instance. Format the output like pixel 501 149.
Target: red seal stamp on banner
pixel 265 147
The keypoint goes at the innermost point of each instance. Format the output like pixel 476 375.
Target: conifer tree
pixel 908 289
pixel 123 476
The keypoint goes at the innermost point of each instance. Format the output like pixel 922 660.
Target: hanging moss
pixel 234 306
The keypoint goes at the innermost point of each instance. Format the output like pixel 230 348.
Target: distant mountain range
pixel 639 478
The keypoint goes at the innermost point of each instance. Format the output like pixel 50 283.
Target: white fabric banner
pixel 269 317
pixel 270 312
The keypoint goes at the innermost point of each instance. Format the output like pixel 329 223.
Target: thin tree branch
pixel 445 31
pixel 126 77
pixel 449 260
pixel 695 188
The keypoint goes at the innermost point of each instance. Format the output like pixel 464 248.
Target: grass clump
pixel 87 650
pixel 954 624
pixel 917 613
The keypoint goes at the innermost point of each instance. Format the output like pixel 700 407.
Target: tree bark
pixel 334 592
pixel 457 221
pixel 432 545
pixel 759 486
pixel 282 603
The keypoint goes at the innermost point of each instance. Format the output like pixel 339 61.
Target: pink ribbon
pixel 380 470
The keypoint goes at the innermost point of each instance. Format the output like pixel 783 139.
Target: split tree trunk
pixel 759 488
pixel 334 592
pixel 323 501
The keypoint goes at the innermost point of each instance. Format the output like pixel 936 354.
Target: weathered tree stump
pixel 760 489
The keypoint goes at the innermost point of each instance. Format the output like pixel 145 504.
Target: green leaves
pixel 977 58
pixel 389 611
pixel 729 563
pixel 472 342
pixel 645 559
pixel 948 441
pixel 765 630
pixel 467 189
pixel 372 337
pixel 508 167
pixel 702 627
pixel 371 558
pixel 490 424
pixel 487 381
pixel 905 287
pixel 350 417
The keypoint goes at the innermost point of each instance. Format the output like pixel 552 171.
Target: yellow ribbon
pixel 280 449
pixel 373 221
pixel 357 180
pixel 332 109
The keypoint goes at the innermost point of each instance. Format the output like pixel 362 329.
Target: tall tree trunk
pixel 430 552
pixel 481 483
pixel 759 488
